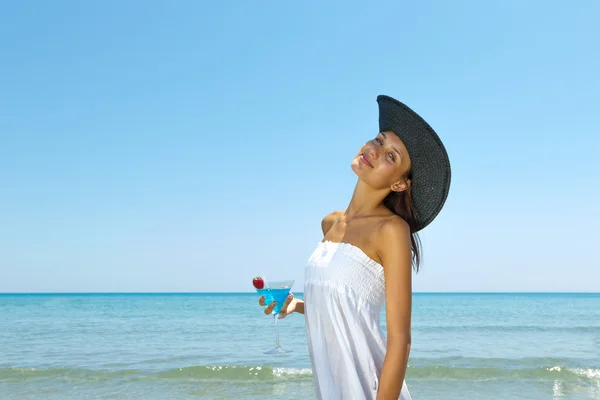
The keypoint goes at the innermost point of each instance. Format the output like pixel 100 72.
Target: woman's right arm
pixel 299 306
pixel 291 305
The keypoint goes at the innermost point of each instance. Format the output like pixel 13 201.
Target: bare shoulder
pixel 393 238
pixel 329 220
pixel 393 228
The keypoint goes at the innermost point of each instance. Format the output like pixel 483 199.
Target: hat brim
pixel 431 172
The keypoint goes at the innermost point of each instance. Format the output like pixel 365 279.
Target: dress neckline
pixel 354 247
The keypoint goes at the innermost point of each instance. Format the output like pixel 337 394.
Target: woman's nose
pixel 373 153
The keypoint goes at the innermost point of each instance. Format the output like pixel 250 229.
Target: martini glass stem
pixel 277 345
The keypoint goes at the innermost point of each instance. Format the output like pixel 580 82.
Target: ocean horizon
pixel 254 292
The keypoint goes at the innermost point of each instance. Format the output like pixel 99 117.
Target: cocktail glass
pixel 276 291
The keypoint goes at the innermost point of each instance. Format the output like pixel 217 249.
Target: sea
pixel 211 346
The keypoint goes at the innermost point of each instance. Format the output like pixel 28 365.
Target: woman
pixel 366 258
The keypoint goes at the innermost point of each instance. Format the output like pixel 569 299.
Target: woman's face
pixel 383 162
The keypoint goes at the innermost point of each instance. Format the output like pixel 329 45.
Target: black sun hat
pixel 430 164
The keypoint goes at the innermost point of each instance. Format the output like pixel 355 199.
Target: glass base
pixel 278 350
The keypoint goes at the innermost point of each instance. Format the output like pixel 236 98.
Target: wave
pixel 556 372
pixel 508 328
pixel 232 372
pixel 222 372
pixel 245 373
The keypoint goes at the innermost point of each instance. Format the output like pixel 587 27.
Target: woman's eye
pixel 378 140
pixel 391 156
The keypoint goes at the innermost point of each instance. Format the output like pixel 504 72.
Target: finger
pixel 284 308
pixel 269 308
pixel 288 299
pixel 261 300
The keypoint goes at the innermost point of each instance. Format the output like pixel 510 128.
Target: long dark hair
pixel 400 203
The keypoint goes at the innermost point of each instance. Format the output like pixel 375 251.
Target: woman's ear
pixel 401 185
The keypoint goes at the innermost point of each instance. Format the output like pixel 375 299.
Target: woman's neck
pixel 365 201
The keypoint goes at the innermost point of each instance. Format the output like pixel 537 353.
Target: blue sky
pixel 188 146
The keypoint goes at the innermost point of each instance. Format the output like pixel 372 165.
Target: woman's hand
pixel 289 306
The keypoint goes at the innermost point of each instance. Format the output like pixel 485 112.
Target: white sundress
pixel 344 291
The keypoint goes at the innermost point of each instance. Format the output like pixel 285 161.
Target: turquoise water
pixel 210 346
pixel 271 295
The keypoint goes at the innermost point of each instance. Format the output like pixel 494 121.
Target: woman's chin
pixel 356 167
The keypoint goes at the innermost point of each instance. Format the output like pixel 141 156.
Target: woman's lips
pixel 365 160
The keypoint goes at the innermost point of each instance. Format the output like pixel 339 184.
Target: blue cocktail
pixel 276 291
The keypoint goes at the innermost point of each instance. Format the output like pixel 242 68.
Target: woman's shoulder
pixel 392 230
pixel 330 219
pixel 393 225
pixel 392 243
